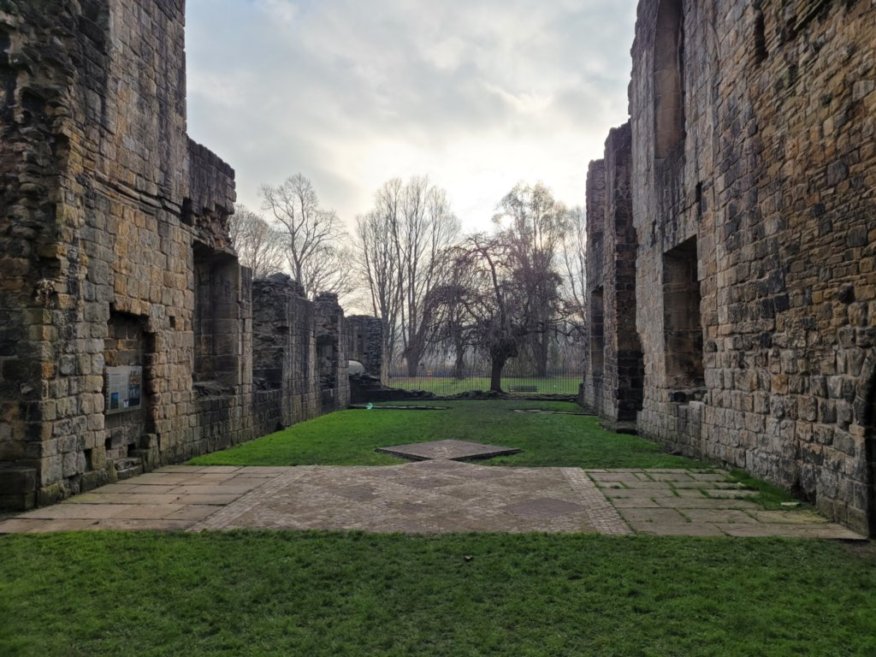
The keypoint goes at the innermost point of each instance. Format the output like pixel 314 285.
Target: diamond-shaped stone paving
pixel 454 450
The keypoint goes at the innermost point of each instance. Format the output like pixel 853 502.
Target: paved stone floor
pixel 427 497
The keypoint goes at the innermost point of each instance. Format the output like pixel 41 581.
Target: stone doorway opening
pixel 683 331
pixel 668 71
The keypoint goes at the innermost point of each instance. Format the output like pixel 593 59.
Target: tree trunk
pixel 496 366
pixel 388 357
pixel 541 355
pixel 413 363
pixel 459 365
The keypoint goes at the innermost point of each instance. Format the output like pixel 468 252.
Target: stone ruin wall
pixel 754 170
pixel 594 361
pixel 331 352
pixel 613 370
pixel 365 345
pixel 115 252
pixel 284 353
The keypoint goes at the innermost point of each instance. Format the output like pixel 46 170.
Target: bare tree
pixel 378 262
pixel 533 225
pixel 574 268
pixel 329 270
pixel 453 329
pixel 311 232
pixel 259 246
pixel 401 242
pixel 427 229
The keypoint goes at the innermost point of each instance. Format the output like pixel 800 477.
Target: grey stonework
pixel 114 251
pixel 284 353
pixel 331 352
pixel 613 371
pixel 753 172
pixel 365 344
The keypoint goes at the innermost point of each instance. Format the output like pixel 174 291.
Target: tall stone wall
pixel 754 169
pixel 592 391
pixel 108 124
pixel 613 372
pixel 126 337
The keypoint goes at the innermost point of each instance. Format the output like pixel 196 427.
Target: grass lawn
pixel 241 594
pixel 349 438
pixel 247 594
pixel 447 385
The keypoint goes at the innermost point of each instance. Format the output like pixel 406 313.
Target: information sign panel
pixel 124 389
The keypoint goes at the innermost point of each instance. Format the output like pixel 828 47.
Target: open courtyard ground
pixel 558 439
pixel 594 543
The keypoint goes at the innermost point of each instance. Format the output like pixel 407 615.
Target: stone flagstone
pixel 428 496
pixel 447 449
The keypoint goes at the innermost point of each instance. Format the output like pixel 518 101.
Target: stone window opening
pixel 129 350
pixel 668 78
pixel 682 321
pixel 187 215
pixel 216 324
pixel 327 359
pixel 760 47
pixel 327 356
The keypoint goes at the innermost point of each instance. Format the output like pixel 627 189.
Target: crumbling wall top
pixel 211 196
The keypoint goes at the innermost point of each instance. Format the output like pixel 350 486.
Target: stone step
pixel 127 468
pixel 17 487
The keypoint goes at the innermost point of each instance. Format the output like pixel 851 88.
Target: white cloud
pixel 477 94
pixel 282 11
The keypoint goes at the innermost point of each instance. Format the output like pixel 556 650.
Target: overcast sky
pixel 476 94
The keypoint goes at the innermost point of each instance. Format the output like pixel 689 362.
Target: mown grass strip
pixel 350 438
pixel 260 593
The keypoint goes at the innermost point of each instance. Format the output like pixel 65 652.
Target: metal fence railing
pixel 562 383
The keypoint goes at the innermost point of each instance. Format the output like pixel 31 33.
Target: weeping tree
pixel 532 227
pixel 493 308
pixel 451 326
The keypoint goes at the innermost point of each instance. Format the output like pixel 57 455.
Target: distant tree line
pixel 489 297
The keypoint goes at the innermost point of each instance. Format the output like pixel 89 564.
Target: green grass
pixel 350 437
pixel 446 385
pixel 769 496
pixel 248 594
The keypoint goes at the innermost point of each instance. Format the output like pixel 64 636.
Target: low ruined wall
pixel 284 353
pixel 364 341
